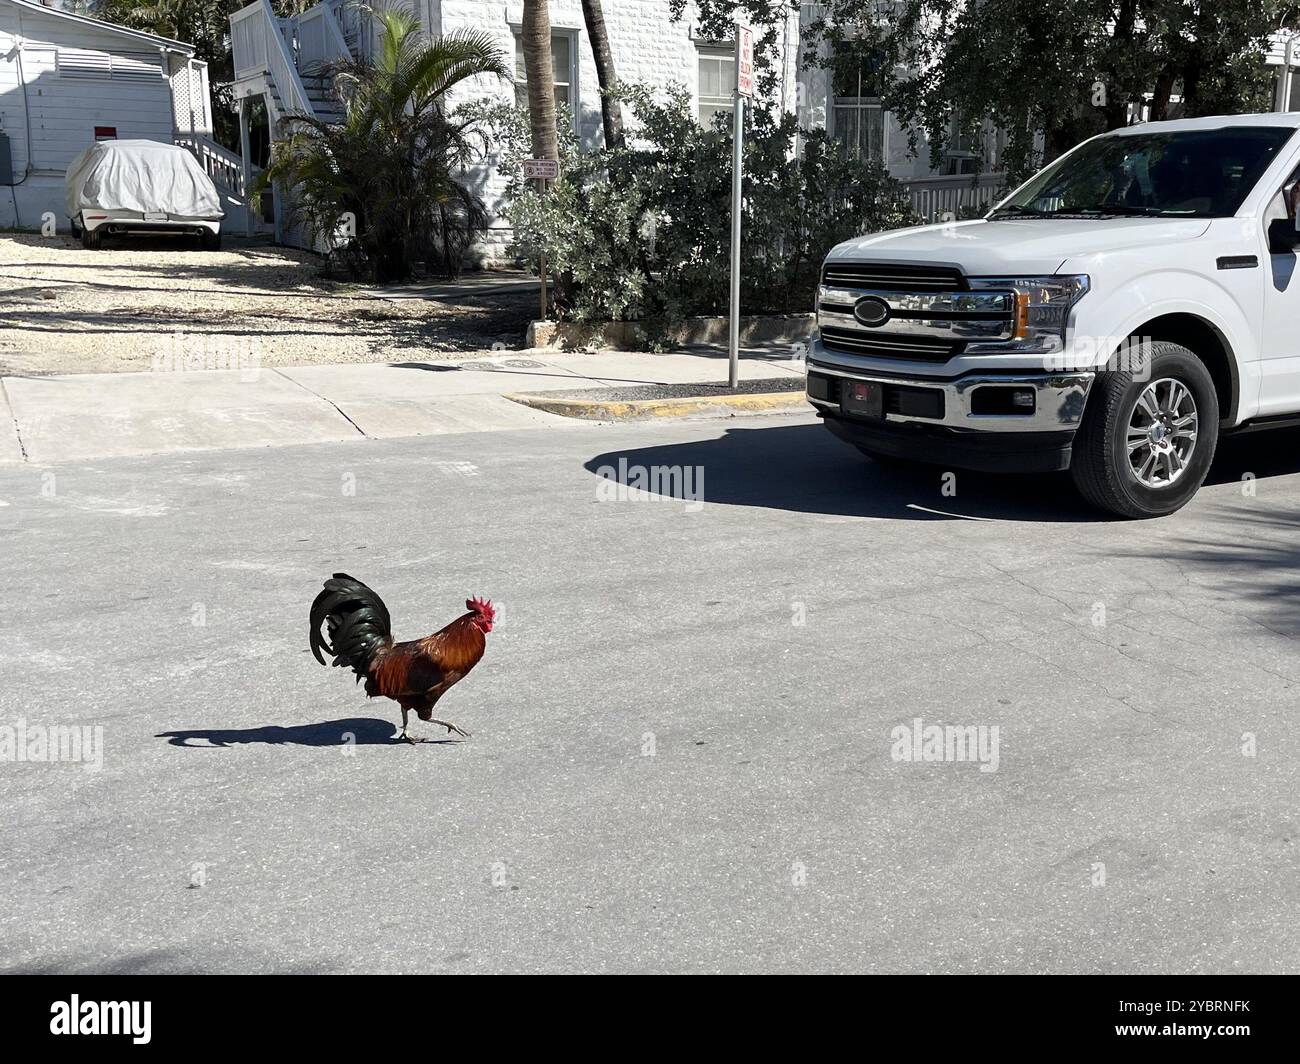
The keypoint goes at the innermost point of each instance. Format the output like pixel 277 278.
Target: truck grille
pixel 899 278
pixel 853 342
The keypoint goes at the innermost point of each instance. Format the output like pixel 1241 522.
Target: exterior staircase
pixel 285 62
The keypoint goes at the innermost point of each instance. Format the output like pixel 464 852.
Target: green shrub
pixel 644 231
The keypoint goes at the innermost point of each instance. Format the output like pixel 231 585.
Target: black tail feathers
pixel 356 623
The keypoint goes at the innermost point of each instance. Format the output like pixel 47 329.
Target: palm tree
pixel 610 109
pixel 382 187
pixel 536 39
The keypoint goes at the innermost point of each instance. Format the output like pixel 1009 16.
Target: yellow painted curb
pixel 682 406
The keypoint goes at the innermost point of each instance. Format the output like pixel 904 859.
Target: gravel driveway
pixel 139 304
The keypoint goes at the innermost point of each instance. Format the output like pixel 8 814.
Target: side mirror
pixel 1284 233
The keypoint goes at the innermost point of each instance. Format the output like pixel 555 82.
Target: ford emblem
pixel 871 311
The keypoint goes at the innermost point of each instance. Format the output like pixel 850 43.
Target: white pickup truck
pixel 1112 316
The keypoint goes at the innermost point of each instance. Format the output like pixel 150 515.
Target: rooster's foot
pixel 450 727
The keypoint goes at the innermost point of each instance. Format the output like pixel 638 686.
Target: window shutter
pixel 83 63
pixel 137 66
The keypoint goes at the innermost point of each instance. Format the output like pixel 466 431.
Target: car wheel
pixel 92 239
pixel 1148 436
pixel 210 241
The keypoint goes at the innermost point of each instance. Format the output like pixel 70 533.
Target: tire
pixel 1168 471
pixel 92 239
pixel 210 241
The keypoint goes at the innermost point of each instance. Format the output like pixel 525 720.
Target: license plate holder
pixel 155 216
pixel 865 399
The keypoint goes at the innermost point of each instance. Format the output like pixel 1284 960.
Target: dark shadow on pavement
pixel 804 469
pixel 359 731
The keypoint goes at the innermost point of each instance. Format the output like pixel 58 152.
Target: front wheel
pixel 1148 435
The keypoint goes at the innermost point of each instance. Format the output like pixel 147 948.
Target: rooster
pixel 414 674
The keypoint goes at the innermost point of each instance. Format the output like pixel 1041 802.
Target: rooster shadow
pixel 354 731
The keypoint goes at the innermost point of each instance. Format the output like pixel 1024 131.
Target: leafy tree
pixel 1048 74
pixel 638 232
pixel 382 187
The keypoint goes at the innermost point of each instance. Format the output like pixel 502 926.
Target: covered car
pixel 125 186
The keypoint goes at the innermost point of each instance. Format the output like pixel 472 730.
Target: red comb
pixel 481 606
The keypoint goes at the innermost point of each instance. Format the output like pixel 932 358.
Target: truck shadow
pixel 802 468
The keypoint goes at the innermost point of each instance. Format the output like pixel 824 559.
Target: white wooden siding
pixel 129 93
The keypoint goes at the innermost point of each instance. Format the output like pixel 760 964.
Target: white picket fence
pixel 938 198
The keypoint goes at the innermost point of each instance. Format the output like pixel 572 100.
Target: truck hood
pixel 1016 246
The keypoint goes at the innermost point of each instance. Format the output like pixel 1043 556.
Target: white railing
pixel 248 41
pixel 937 198
pixel 354 25
pixel 224 167
pixel 258 46
pixel 320 40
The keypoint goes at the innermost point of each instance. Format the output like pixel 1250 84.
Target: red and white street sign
pixel 541 169
pixel 745 60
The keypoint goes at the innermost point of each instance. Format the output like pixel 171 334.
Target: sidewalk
pixel 80 416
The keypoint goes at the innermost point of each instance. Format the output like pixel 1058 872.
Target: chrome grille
pixel 899 278
pixel 859 342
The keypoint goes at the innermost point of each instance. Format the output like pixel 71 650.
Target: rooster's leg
pixel 405 734
pixel 450 727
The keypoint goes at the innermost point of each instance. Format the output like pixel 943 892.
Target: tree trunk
pixel 1160 96
pixel 536 38
pixel 610 109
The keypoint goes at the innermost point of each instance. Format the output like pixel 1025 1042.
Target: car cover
pixel 140 176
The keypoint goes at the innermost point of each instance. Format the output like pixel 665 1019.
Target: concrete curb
pixel 632 335
pixel 644 409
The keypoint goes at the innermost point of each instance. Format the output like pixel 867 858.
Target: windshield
pixel 1204 173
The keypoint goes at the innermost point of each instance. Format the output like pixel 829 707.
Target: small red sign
pixel 745 61
pixel 106 132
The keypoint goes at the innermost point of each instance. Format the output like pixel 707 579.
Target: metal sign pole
pixel 543 171
pixel 737 159
pixel 541 272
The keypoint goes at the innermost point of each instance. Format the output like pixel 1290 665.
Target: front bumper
pixel 964 421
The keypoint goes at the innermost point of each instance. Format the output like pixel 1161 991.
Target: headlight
pixel 1040 310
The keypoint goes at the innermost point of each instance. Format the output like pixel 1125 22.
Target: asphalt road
pixel 667 772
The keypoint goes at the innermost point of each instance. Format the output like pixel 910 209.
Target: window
pixel 857 118
pixel 717 65
pixel 562 71
pixel 959 156
pixel 1201 173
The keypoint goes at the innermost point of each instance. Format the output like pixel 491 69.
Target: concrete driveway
pixel 685 752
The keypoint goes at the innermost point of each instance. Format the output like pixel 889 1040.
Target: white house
pixel 280 61
pixel 67 80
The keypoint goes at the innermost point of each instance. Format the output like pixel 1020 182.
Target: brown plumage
pixel 413 674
